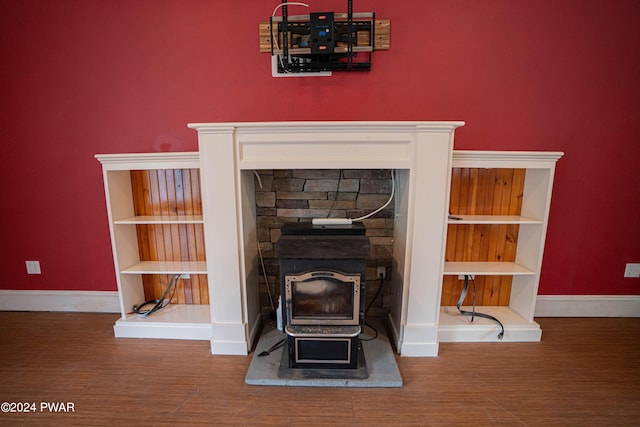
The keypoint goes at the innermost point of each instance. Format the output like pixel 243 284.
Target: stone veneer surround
pixel 299 195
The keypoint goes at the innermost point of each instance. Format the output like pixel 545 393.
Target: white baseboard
pixel 81 301
pixel 107 302
pixel 588 306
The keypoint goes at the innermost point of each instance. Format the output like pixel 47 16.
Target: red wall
pixel 83 77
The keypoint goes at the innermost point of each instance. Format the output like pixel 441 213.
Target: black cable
pixel 376 295
pixel 158 304
pixel 367 311
pixel 375 335
pixel 474 313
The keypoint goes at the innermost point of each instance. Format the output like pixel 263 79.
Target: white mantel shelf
pixel 310 127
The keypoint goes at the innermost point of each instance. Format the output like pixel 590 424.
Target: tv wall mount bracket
pixel 323 41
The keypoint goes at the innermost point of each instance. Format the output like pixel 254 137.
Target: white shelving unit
pixel 517 317
pixel 177 321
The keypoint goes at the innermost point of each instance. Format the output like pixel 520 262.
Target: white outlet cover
pixel 275 73
pixel 632 270
pixel 33 267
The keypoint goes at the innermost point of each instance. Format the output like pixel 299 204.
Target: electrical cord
pixel 264 271
pixel 289 3
pixel 474 313
pixel 266 280
pixel 377 294
pixel 335 198
pixel 255 172
pixel 275 39
pixel 160 303
pixel 393 190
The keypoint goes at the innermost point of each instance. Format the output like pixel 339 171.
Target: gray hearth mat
pixel 381 366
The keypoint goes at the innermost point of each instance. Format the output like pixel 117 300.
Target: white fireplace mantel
pixel 421 154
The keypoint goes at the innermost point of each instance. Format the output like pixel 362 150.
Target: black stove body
pixel 322 282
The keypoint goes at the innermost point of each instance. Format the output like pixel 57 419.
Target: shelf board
pixel 176 321
pixel 450 316
pixel 486 268
pixel 167 267
pixel 154 219
pixel 337 49
pixel 176 313
pixel 455 327
pixel 493 219
pixel 137 161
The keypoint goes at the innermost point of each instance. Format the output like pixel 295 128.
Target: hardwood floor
pixel 585 372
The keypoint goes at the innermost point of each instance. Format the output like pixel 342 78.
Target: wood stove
pixel 322 282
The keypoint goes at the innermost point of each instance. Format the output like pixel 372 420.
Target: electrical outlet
pixel 33 267
pixel 276 73
pixel 471 276
pixel 632 270
pixel 382 271
pixel 185 276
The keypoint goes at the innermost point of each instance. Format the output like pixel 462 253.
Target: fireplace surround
pixel 421 154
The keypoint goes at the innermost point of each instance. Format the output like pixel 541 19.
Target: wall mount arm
pixel 324 41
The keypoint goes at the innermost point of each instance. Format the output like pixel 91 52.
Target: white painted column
pixel 219 182
pixel 427 218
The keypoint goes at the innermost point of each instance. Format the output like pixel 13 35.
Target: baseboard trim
pixel 107 302
pixel 588 306
pixel 79 301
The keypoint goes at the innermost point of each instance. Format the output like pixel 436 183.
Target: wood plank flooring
pixel 585 372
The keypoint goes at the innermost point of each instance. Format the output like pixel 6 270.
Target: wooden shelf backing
pixel 382 40
pixel 484 241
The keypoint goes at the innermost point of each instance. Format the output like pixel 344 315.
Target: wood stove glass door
pixel 323 298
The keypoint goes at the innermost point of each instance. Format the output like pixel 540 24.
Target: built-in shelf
pixel 524 273
pixel 486 268
pixel 167 267
pixel 175 321
pixel 150 219
pixel 493 219
pixel 455 327
pixel 176 313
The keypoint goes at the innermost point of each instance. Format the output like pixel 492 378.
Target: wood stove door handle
pixel 323 274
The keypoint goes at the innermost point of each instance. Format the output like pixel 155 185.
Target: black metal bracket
pixel 323 43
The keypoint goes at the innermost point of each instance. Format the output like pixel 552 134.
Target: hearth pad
pixel 381 365
pixel 360 373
